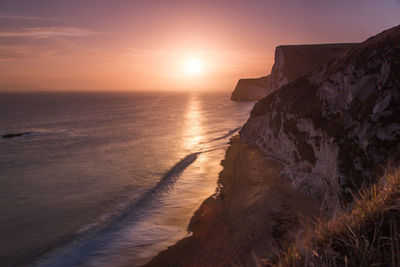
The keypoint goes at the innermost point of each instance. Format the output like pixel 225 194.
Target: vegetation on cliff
pixel 368 235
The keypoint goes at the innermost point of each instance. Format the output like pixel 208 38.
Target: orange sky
pixel 145 45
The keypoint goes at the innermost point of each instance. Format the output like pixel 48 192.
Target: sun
pixel 194 66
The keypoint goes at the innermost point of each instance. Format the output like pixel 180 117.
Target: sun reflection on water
pixel 193 132
pixel 168 222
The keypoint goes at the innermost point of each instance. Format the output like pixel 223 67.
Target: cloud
pixel 46 32
pixel 26 18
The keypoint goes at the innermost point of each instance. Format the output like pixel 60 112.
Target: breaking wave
pixel 91 240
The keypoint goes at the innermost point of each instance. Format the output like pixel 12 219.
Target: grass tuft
pixel 368 235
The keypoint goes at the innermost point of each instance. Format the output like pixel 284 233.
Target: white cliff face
pixel 315 174
pixel 336 127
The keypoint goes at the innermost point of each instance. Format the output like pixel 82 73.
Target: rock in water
pixel 13 135
pixel 251 89
pixel 336 127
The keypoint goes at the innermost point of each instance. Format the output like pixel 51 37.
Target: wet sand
pixel 255 212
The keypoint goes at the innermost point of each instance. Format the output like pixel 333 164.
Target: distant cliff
pixel 251 89
pixel 291 62
pixel 295 61
pixel 335 128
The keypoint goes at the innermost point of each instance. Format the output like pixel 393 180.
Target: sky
pixel 168 45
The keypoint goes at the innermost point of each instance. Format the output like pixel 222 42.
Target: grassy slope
pixel 368 235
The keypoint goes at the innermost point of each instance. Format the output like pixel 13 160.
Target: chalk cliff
pixel 291 62
pixel 336 127
pixel 251 89
pixel 295 61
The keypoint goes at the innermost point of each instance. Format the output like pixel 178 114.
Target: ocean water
pixel 107 179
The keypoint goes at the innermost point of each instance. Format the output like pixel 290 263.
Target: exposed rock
pixel 336 127
pixel 295 61
pixel 251 89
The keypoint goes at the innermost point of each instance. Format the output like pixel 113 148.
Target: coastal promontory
pixel 312 150
pixel 251 89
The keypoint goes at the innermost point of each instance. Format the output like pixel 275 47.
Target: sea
pixel 107 179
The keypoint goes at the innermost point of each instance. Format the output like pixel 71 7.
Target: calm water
pixel 106 179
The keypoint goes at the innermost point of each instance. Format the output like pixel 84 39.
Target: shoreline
pixel 224 228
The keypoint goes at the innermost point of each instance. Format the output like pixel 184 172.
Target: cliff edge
pixel 295 61
pixel 291 63
pixel 251 89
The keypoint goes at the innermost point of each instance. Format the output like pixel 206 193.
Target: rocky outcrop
pixel 251 89
pixel 295 61
pixel 337 127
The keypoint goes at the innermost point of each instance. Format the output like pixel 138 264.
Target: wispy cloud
pixel 46 32
pixel 14 17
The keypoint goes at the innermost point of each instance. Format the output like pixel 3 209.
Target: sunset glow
pixel 151 45
pixel 194 66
